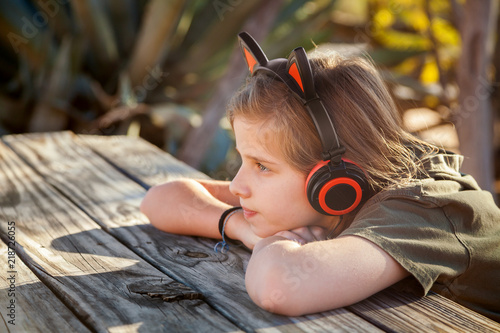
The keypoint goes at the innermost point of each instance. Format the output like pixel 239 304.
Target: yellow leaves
pixel 428 69
pixel 406 24
pixel 407 66
pixel 417 26
pixel 384 18
pixel 430 72
pixel 417 20
pixel 402 40
pixel 444 32
pixel 431 101
pixel 395 24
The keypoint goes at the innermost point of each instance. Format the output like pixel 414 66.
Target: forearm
pixel 190 207
pixel 220 190
pixel 292 279
pixel 184 207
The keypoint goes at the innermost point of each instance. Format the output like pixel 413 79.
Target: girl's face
pixel 271 192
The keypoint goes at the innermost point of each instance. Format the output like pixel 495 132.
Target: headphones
pixel 335 186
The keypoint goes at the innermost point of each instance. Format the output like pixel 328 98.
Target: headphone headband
pixel 333 187
pixel 296 73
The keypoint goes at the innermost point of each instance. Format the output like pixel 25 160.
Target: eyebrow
pixel 256 158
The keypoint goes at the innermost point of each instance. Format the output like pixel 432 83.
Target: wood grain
pixel 106 193
pixel 140 160
pixel 85 267
pixel 112 200
pixel 397 311
pixel 35 308
pixel 394 311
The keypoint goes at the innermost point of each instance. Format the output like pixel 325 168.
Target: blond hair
pixel 364 114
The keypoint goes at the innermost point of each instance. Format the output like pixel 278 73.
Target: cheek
pixel 299 211
pixel 292 209
pixel 283 206
pixel 298 195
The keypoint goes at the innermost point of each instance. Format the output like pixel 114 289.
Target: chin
pixel 262 233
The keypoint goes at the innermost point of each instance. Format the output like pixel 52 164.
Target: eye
pixel 262 167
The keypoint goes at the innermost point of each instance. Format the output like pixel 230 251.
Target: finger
pixel 305 233
pixel 319 233
pixel 291 236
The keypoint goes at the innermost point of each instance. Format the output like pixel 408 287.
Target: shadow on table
pixel 110 288
pixel 169 252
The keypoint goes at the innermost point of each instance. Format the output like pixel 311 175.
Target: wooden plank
pixel 325 322
pixel 390 310
pixel 90 271
pixel 113 200
pixel 27 304
pixel 140 160
pixel 434 313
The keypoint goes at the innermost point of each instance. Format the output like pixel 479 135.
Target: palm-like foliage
pixel 94 66
pixel 157 67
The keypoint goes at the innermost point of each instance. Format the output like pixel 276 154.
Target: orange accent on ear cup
pixel 294 72
pixel 313 171
pixel 332 188
pixel 251 61
pixel 335 182
pixel 336 190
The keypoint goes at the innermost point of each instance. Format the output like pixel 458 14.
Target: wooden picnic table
pixel 86 259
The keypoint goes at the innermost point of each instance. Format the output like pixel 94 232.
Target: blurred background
pixel 164 69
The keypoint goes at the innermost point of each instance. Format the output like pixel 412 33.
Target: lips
pixel 248 213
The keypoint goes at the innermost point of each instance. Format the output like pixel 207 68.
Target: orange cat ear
pixel 250 59
pixel 293 71
pixel 253 54
pixel 299 70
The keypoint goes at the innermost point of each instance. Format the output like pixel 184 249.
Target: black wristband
pixel 223 218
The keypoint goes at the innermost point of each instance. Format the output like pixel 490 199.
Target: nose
pixel 239 185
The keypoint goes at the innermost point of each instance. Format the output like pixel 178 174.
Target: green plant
pixel 164 69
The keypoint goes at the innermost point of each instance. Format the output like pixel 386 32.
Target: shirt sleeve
pixel 416 233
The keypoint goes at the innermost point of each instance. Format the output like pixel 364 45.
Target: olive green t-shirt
pixel 444 230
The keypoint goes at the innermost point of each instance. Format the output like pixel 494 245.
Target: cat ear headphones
pixel 335 186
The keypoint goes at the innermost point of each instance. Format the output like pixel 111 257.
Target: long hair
pixel 363 112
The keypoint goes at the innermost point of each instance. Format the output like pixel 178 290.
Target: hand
pixel 304 235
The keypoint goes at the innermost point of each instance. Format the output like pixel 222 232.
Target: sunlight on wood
pixel 135 327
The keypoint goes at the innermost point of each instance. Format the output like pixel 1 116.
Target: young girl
pixel 332 187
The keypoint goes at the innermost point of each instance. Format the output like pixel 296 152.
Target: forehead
pixel 256 135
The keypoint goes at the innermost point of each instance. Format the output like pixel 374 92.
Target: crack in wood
pixel 169 292
pixel 196 254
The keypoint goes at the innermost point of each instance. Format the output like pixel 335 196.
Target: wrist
pixel 222 246
pixel 234 225
pixel 224 219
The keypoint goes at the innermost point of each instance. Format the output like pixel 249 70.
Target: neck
pixel 330 223
pixel 335 228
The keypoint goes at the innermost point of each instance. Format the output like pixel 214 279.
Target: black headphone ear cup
pixel 336 190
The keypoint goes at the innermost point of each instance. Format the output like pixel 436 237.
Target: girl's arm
pixel 193 207
pixel 220 190
pixel 292 279
pixel 187 207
